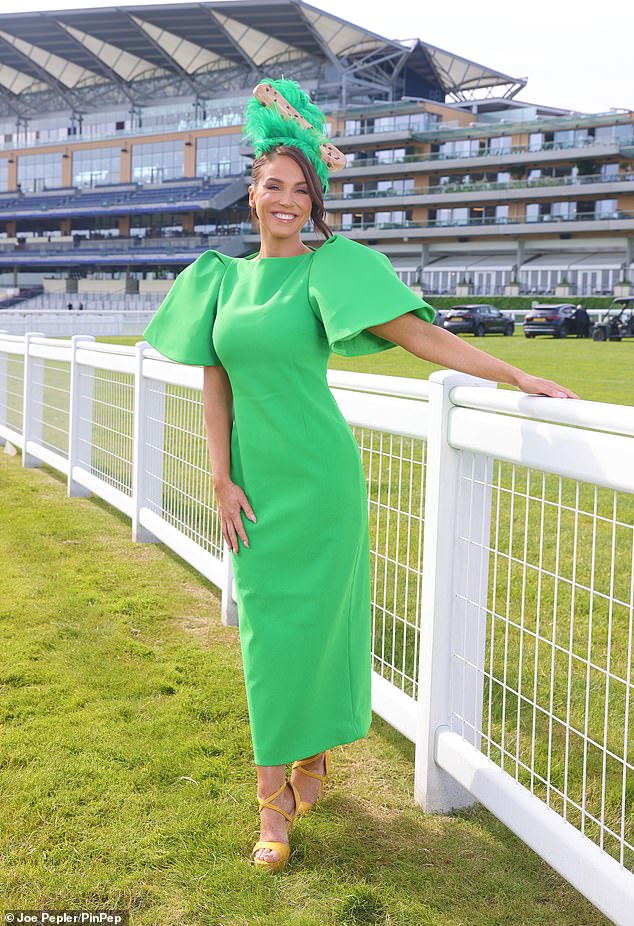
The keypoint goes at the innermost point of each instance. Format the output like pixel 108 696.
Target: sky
pixel 573 57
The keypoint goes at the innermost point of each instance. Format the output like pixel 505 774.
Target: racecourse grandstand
pixel 121 156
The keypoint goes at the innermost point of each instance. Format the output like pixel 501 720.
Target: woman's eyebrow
pixel 299 182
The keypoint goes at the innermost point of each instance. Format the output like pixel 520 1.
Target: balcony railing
pixel 491 152
pixel 349 131
pixel 484 220
pixel 484 185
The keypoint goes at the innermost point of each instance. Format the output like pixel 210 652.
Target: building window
pixel 92 166
pixel 605 208
pixel 4 174
pixel 532 212
pixel 39 172
pixel 390 155
pixel 619 134
pixel 501 145
pixel 398 217
pixel 153 162
pixel 609 171
pixel 565 210
pixel 395 187
pixel 219 156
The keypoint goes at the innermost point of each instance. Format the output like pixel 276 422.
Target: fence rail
pixel 502 544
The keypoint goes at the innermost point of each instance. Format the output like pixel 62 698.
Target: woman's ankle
pixel 270 779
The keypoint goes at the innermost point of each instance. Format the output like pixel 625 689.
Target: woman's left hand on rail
pixel 535 385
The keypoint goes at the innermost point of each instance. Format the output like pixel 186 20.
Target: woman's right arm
pixel 218 409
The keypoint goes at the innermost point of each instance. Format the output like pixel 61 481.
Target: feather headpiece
pixel 281 113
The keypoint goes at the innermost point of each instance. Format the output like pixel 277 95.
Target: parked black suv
pixel 479 319
pixel 558 320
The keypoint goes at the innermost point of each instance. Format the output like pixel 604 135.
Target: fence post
pixel 228 607
pixel 4 389
pixel 147 447
pixel 446 582
pixel 32 396
pixel 80 415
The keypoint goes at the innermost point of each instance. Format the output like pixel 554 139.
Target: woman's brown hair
pixel 318 210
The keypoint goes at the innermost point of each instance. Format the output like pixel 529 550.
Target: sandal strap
pixel 280 847
pixel 266 801
pixel 299 765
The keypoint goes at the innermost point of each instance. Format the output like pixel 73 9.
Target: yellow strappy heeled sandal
pixel 305 806
pixel 282 847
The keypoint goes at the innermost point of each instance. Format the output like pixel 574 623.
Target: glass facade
pixel 571 137
pixel 470 215
pixel 153 162
pixel 4 174
pixel 564 173
pixel 551 212
pixel 167 117
pixel 219 156
pixel 455 181
pixel 390 155
pixel 606 207
pixel 396 187
pixel 39 172
pixel 97 165
pixel 500 145
pixel 398 217
pixel 415 122
pixel 463 148
pixel 609 171
pixel 615 133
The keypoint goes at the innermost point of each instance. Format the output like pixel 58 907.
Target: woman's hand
pixel 231 499
pixel 537 386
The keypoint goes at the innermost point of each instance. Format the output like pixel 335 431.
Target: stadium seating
pixel 127 199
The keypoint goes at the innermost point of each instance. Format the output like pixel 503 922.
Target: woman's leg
pixel 309 788
pixel 273 824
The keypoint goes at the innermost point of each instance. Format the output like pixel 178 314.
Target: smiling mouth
pixel 284 216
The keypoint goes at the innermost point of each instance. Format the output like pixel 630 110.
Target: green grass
pixel 127 768
pixel 127 778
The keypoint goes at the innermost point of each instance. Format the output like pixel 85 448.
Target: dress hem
pixel 313 752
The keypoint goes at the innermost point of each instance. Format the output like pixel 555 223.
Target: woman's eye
pixel 274 186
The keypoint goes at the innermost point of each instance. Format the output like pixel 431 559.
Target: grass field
pixel 127 773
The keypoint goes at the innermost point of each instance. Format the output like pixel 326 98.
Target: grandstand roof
pixel 85 59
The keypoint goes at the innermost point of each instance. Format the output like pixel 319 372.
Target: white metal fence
pixel 502 543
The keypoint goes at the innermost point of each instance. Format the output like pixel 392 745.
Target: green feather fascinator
pixel 265 126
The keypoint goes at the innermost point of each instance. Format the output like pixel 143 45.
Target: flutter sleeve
pixel 182 326
pixel 351 286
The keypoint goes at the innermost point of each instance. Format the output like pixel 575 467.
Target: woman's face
pixel 281 198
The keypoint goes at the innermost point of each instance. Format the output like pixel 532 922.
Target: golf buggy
pixel 617 322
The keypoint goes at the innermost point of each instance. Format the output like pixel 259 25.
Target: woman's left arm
pixel 430 342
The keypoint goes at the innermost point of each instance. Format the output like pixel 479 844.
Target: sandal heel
pixel 305 807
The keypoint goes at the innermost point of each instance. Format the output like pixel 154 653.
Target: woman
pixel 263 327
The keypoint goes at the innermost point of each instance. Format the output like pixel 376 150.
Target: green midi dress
pixel 303 584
